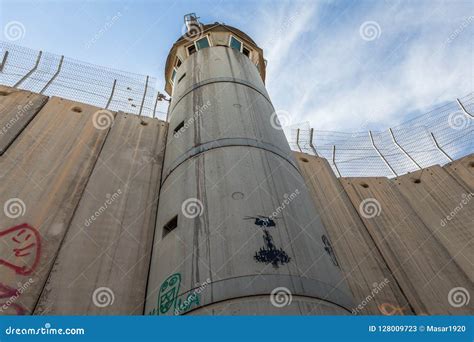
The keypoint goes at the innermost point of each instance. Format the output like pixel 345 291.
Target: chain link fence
pixel 437 137
pixel 54 75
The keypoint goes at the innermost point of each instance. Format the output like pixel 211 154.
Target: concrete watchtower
pixel 235 222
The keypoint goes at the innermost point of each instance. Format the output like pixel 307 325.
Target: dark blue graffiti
pixel 328 248
pixel 269 254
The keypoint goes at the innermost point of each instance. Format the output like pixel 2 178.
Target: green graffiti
pixel 168 294
pixel 169 298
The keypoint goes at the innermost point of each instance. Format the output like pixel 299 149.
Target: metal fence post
pixel 311 142
pixel 464 109
pixel 29 72
pixel 439 147
pixel 144 95
pixel 54 76
pixel 298 139
pixel 334 160
pixel 402 149
pixel 4 60
pixel 381 155
pixel 111 94
pixel 156 103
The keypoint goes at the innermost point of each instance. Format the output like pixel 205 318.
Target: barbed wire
pixel 55 75
pixel 437 137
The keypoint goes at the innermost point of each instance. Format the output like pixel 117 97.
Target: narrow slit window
pixel 191 49
pixel 177 128
pixel 235 43
pixel 170 226
pixel 202 43
pixel 178 62
pixel 181 78
pixel 246 52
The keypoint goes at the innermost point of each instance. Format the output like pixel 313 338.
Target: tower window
pixel 202 43
pixel 235 43
pixel 181 78
pixel 178 62
pixel 170 226
pixel 177 128
pixel 173 76
pixel 191 49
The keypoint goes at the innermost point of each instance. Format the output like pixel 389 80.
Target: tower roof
pixel 197 30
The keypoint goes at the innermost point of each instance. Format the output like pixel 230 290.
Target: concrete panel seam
pixel 218 80
pixel 227 142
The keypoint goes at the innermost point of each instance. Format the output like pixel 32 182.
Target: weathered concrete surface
pixel 42 177
pixel 446 208
pixel 255 228
pixel 362 263
pixel 219 245
pixel 108 245
pixel 421 265
pixel 17 109
pixel 215 110
pixel 463 171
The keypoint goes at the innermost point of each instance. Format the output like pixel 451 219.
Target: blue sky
pixel 340 65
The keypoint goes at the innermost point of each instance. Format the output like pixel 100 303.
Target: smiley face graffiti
pixel 20 248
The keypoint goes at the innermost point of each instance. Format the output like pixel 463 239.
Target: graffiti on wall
pixel 20 251
pixel 328 248
pixel 269 253
pixel 169 298
pixel 23 246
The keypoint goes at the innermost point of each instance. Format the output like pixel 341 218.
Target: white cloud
pixel 322 71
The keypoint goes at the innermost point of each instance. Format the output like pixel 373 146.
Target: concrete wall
pixel 72 243
pixel 415 230
pixel 78 207
pixel 362 263
pixel 109 240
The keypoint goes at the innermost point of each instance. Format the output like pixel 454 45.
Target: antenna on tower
pixel 191 21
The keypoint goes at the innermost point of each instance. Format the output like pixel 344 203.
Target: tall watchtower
pixel 236 231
